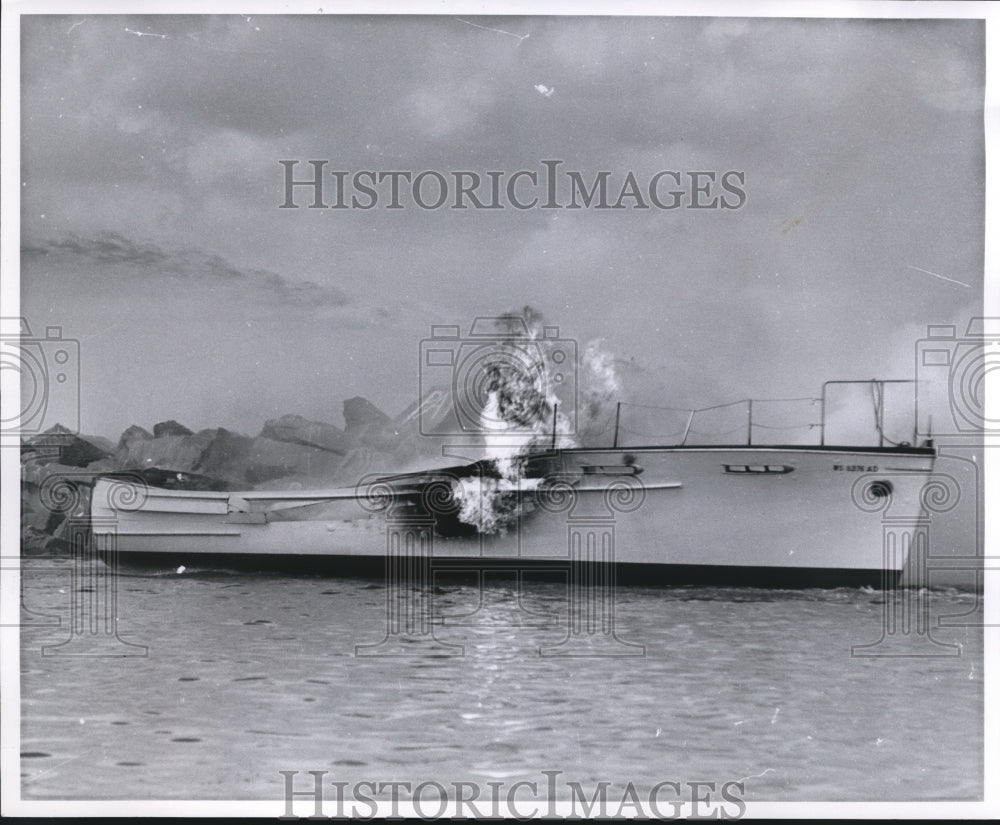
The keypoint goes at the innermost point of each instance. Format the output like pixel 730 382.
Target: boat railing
pixel 755 417
pixel 878 403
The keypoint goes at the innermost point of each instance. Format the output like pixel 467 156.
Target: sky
pixel 151 231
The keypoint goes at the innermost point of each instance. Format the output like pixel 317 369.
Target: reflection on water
pixel 250 674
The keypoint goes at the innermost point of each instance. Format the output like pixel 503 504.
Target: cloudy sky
pixel 151 186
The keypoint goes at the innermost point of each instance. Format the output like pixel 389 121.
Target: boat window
pixel 758 469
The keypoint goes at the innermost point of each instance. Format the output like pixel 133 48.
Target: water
pixel 249 674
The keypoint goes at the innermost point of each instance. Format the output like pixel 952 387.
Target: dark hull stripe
pixel 542 569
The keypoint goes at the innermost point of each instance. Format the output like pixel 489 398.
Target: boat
pixel 824 514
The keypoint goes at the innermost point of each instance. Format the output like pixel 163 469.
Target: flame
pixel 491 505
pixel 521 415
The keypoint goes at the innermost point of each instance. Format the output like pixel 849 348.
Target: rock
pixel 38 474
pixel 54 431
pixel 370 426
pixel 226 457
pixel 360 412
pixel 38 453
pixel 34 514
pixel 177 453
pixel 224 447
pixel 78 514
pixel 134 433
pixel 32 472
pixel 81 452
pixel 105 465
pixel 36 543
pixel 170 427
pixel 294 429
pixel 51 495
pixel 68 448
pixel 270 459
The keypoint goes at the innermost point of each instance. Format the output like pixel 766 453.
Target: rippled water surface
pixel 249 674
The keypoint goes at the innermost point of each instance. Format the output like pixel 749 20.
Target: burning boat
pixel 536 498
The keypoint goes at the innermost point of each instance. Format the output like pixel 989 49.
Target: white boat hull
pixel 785 514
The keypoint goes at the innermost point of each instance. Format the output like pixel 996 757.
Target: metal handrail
pixel 878 383
pixel 879 407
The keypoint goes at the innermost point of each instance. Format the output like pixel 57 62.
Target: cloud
pixel 110 248
pixel 151 188
pixel 146 260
